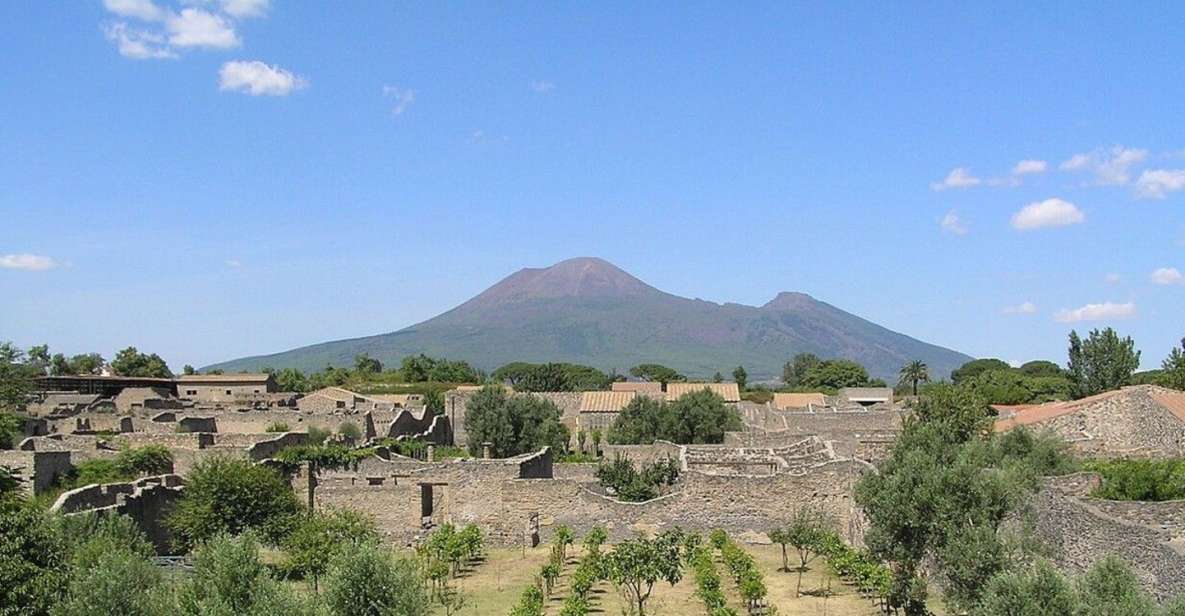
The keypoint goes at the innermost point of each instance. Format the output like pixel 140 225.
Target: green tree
pixel 1041 367
pixel 1173 367
pixel 637 564
pixel 229 579
pixel 836 374
pixel 226 495
pixel 717 378
pixel 188 370
pixel 15 377
pixel 1037 591
pixel 913 373
pixel 1102 362
pixel 131 362
pixel 656 373
pixel 11 430
pixel 321 536
pixel 740 376
pixel 38 359
pixel 291 379
pixel 371 581
pixel 434 401
pixel 804 532
pixel 1109 588
pixel 795 370
pixel 118 581
pixel 976 366
pixel 59 365
pixel 86 363
pixel 697 417
pixel 365 365
pixel 32 567
pixel 513 424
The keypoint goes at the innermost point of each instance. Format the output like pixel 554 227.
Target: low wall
pixel 38 469
pixel 146 501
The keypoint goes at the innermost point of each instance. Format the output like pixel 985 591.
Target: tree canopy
pixel 228 495
pixel 696 417
pixel 656 373
pixel 1101 362
pixel 835 374
pixel 523 376
pixel 131 362
pixel 514 424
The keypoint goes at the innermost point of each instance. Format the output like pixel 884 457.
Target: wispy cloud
pixel 542 87
pixel 959 177
pixel 1048 213
pixel 144 10
pixel 1021 308
pixel 401 98
pixel 1110 166
pixel 197 28
pixel 1167 276
pixel 258 79
pixel 1112 278
pixel 136 43
pixel 243 9
pixel 164 31
pixel 27 262
pixel 1158 183
pixel 1096 312
pixel 951 223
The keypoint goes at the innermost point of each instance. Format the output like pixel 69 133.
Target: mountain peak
pixel 790 300
pixel 577 277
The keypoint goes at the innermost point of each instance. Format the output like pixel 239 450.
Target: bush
pixel 513 424
pixel 319 537
pixel 317 435
pixel 224 495
pixel 116 581
pixel 632 486
pixel 32 566
pixel 530 602
pixel 229 579
pixel 277 426
pixel 697 417
pixel 350 430
pixel 371 581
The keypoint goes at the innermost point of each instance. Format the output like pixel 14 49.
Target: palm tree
pixel 913 373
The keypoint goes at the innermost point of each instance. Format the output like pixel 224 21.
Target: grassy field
pixel 493 587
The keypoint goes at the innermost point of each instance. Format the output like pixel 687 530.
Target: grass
pixel 494 586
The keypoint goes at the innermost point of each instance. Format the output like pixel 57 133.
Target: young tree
pixel 637 564
pixel 913 373
pixel 118 581
pixel 563 538
pixel 366 365
pixel 1109 588
pixel 836 374
pixel 804 532
pixel 797 368
pixel 370 581
pixel 228 578
pixel 1039 590
pixel 740 376
pixel 1102 362
pixel 717 378
pixel 15 377
pixel 226 495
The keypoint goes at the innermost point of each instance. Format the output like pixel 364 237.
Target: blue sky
pixel 210 179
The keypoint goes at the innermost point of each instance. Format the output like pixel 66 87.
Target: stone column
pixel 431 453
pixel 486 448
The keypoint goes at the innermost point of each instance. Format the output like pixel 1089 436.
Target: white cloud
pixel 1096 312
pixel 1112 278
pixel 1111 167
pixel 1167 276
pixel 136 9
pixel 401 99
pixel 1048 213
pixel 197 28
pixel 1157 183
pixel 1026 167
pixel 243 9
pixel 27 262
pixel 542 87
pixel 951 223
pixel 256 78
pixel 137 44
pixel 959 177
pixel 1022 308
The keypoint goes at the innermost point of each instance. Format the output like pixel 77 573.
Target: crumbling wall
pixel 37 469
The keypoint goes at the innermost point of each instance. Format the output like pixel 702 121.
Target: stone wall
pixel 1079 531
pixel 146 501
pixel 1127 423
pixel 38 469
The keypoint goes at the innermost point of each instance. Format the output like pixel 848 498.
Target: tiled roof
pixel 729 391
pixel 605 401
pixel 647 386
pixel 1024 415
pixel 798 400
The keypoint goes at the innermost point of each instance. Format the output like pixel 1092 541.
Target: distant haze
pixel 589 311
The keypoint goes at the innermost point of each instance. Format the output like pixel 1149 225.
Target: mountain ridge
pixel 587 310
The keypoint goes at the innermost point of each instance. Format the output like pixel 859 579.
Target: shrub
pixel 697 417
pixel 277 426
pixel 318 538
pixel 1140 480
pixel 116 581
pixel 144 461
pixel 513 424
pixel 228 578
pixel 317 435
pixel 530 602
pixel 32 567
pixel 633 486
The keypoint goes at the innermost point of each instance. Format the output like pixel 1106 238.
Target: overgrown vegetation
pixel 697 417
pixel 1140 480
pixel 630 484
pixel 232 496
pixel 523 376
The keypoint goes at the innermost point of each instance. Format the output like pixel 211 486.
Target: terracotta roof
pixel 647 386
pixel 729 391
pixel 605 401
pixel 798 400
pixel 223 378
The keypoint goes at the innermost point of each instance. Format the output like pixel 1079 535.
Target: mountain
pixel 589 311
